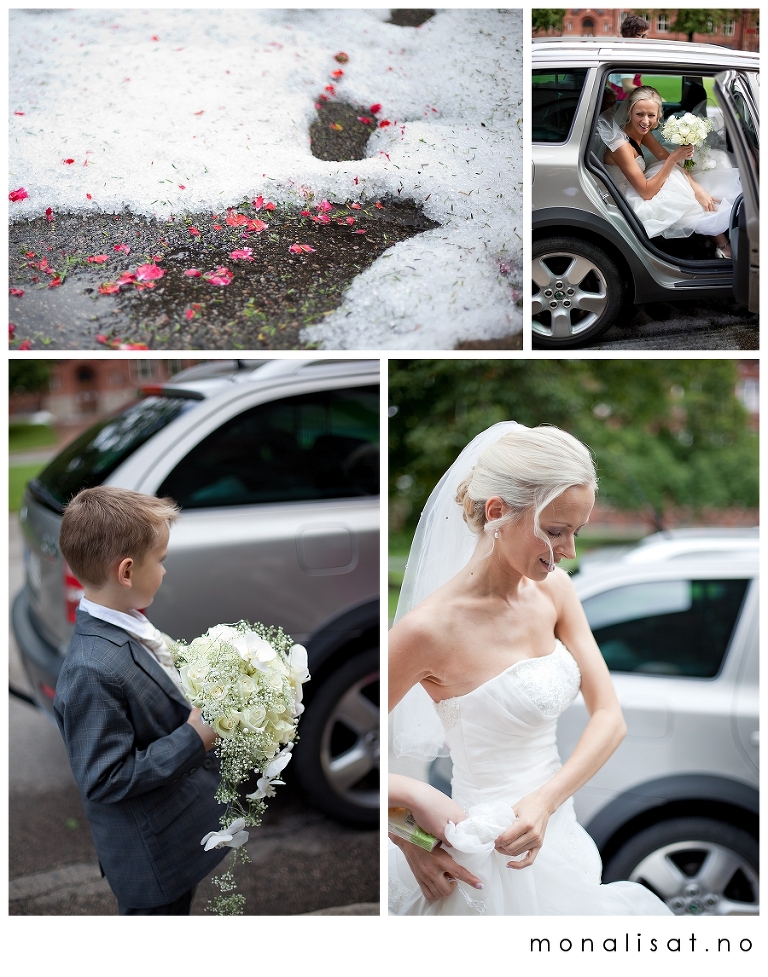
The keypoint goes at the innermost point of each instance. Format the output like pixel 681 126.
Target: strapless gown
pixel 502 740
pixel 674 211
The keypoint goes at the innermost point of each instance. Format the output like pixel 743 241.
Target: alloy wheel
pixel 573 294
pixel 349 749
pixel 701 878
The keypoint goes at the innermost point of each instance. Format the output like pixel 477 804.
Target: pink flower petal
pixel 355 206
pixel 242 254
pixel 108 288
pixel 122 248
pixel 20 194
pixel 194 231
pixel 149 273
pixel 26 345
pixel 300 248
pixel 193 273
pixel 98 259
pixel 49 213
pixel 361 231
pixel 17 291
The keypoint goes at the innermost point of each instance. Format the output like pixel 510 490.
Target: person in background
pixel 622 85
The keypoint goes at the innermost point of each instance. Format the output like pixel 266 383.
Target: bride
pixel 665 197
pixel 490 646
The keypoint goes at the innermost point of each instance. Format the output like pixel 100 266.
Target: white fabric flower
pixel 231 837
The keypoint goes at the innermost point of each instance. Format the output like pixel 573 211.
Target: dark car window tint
pixel 746 121
pixel 556 97
pixel 92 457
pixel 315 446
pixel 674 627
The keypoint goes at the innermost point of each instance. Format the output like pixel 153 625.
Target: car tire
pixel 337 756
pixel 698 866
pixel 578 293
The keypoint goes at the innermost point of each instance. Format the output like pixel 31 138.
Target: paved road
pixel 685 325
pixel 302 862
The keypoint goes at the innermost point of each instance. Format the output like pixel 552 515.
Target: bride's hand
pixel 681 153
pixel 703 198
pixel 435 871
pixel 526 835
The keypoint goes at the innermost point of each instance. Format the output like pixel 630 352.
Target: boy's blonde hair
pixel 103 525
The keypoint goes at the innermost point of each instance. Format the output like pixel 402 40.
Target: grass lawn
pixel 670 86
pixel 27 437
pixel 18 476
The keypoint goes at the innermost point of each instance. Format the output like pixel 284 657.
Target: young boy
pixel 137 750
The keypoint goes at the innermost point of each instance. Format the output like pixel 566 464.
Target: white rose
pixel 676 139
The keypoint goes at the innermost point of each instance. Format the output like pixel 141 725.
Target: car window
pixel 321 445
pixel 92 457
pixel 556 97
pixel 673 627
pixel 746 119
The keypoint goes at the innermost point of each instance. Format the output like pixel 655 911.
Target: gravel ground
pixel 270 299
pixel 272 296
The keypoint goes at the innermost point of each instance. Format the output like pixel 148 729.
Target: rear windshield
pixel 92 458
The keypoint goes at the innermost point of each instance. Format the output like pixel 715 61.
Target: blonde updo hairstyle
pixel 646 92
pixel 527 468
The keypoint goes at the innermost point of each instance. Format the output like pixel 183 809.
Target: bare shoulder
pixel 559 589
pixel 418 632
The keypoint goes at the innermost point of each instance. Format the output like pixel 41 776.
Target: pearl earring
pixel 496 534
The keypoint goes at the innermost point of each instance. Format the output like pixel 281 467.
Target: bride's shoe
pixel 719 253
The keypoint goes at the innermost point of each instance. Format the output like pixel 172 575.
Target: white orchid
pixel 232 837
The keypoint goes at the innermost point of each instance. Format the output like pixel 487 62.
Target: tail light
pixel 73 591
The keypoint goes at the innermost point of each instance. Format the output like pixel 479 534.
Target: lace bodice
pixel 502 735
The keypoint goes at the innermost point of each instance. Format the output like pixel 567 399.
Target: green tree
pixel 664 432
pixel 28 376
pixel 692 22
pixel 544 20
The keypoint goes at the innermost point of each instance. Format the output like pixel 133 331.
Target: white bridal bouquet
pixel 247 681
pixel 687 130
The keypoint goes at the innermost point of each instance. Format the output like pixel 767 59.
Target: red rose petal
pixel 122 248
pixel 193 273
pixel 375 108
pixel 108 288
pixel 20 194
pixel 98 259
pixel 68 161
pixel 17 291
pixel 26 345
pixel 149 273
pixel 194 231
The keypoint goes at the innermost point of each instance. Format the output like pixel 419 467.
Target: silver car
pixel 676 807
pixel 591 257
pixel 275 467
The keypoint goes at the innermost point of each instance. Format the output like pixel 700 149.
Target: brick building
pixel 80 391
pixel 742 32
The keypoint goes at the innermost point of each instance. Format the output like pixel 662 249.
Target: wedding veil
pixel 442 545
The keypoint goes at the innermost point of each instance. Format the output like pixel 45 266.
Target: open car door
pixel 738 101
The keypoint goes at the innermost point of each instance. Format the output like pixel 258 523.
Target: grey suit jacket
pixel 146 781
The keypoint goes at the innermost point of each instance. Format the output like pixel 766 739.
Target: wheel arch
pixel 689 795
pixel 597 232
pixel 336 640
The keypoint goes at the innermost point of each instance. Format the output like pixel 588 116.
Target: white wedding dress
pixel 502 739
pixel 674 212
